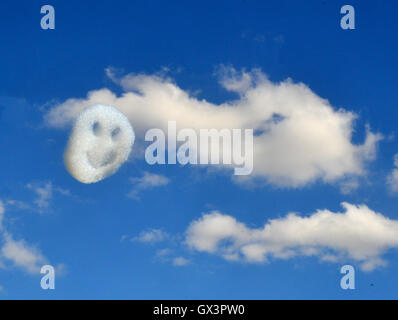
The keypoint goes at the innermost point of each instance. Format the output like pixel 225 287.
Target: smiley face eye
pixel 115 133
pixel 96 128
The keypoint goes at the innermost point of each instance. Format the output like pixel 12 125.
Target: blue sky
pixel 107 244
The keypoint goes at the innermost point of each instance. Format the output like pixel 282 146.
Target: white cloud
pixel 18 204
pixel 348 186
pixel 64 192
pixel 300 137
pixel 44 194
pixel 164 252
pixel 61 269
pixel 392 179
pixel 180 261
pixel 23 255
pixel 147 181
pixel 151 236
pixel 166 255
pixel 2 210
pixel 18 252
pixel 358 234
pixel 123 237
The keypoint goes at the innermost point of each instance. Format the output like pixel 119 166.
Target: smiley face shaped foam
pixel 100 142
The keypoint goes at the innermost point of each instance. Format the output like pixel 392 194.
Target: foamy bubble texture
pixel 99 144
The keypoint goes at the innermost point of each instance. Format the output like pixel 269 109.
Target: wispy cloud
pixel 164 252
pixel 168 255
pixel 392 179
pixel 147 181
pixel 64 192
pixel 151 236
pixel 23 255
pixel 2 210
pixel 18 252
pixel 165 255
pixel 19 204
pixel 349 185
pixel 180 261
pixel 44 194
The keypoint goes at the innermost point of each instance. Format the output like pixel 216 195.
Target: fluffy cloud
pixel 147 181
pixel 392 179
pixel 358 234
pixel 299 136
